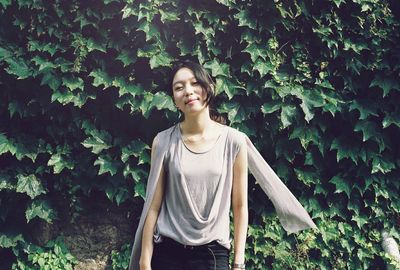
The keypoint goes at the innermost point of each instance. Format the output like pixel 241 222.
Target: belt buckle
pixel 188 247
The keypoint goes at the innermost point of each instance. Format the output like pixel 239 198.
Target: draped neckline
pixel 202 152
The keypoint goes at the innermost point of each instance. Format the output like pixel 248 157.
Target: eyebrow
pixel 191 78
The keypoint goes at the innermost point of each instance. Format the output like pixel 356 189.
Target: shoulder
pixel 236 138
pixel 162 137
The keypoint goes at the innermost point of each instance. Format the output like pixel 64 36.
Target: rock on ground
pixel 90 237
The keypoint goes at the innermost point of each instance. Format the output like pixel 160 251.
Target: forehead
pixel 183 74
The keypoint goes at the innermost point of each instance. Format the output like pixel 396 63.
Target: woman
pixel 198 172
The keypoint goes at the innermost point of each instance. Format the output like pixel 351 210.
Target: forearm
pixel 240 222
pixel 147 238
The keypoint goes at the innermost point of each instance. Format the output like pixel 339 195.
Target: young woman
pixel 198 173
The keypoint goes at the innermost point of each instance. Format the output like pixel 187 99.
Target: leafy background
pixel 315 84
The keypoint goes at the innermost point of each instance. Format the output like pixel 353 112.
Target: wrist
pixel 144 262
pixel 238 266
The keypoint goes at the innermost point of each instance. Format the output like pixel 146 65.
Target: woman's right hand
pixel 144 265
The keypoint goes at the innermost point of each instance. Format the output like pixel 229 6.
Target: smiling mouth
pixel 191 101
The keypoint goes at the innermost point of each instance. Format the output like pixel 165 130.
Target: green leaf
pixel 18 67
pixel 360 220
pixel 308 177
pixel 385 83
pixel 368 128
pixel 101 78
pixel 15 106
pixel 391 118
pixel 270 107
pixel 382 164
pixel 99 141
pixel 286 148
pixel 306 134
pixel 59 163
pixel 217 68
pixel 224 84
pixel 162 101
pixel 168 16
pixel 324 84
pixel 365 108
pixel 6 183
pixel 148 50
pixel 236 112
pixel 288 115
pixel 92 45
pixel 9 240
pixel 140 190
pixel 121 195
pixel 128 11
pixel 135 148
pixel 107 165
pixel 5 144
pixel 73 83
pixel 51 80
pixel 63 96
pixel 289 90
pixel 127 88
pixel 263 67
pixel 245 20
pixel 347 149
pixel 22 150
pixel 320 189
pixel 256 51
pixel 5 3
pixel 78 99
pixel 333 102
pixel 43 63
pixel 40 209
pixel 126 58
pixel 338 2
pixel 363 186
pixel 136 173
pixel 30 185
pixel 341 185
pixel 161 59
pixel 4 53
pixel 228 3
pixel 310 99
pixel 150 30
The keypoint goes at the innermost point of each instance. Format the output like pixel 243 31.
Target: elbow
pixel 240 208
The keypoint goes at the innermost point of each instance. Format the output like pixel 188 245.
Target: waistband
pixel 173 243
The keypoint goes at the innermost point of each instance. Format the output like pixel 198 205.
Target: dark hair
pixel 206 82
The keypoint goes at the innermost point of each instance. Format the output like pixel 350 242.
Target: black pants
pixel 171 255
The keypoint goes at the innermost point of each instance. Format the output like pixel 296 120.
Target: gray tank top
pixel 198 186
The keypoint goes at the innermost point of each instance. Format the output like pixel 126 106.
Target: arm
pixel 151 219
pixel 239 204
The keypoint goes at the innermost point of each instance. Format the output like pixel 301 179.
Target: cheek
pixel 177 98
pixel 204 93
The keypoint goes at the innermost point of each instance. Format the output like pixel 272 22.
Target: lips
pixel 190 100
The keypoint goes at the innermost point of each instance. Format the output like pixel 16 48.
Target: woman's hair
pixel 205 81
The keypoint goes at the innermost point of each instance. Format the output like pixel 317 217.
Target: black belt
pixel 171 242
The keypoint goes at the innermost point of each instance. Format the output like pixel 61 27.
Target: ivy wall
pixel 315 84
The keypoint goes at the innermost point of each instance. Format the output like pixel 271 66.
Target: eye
pixel 195 83
pixel 178 88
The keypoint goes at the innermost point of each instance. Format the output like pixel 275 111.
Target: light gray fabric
pixel 292 215
pixel 197 201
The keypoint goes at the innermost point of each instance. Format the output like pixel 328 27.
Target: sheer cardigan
pixel 292 216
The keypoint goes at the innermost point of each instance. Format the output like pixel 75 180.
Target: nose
pixel 189 89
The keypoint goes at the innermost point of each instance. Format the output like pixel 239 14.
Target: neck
pixel 196 124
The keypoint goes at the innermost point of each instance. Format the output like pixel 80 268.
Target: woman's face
pixel 188 94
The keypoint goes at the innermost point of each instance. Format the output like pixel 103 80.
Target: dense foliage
pixel 313 83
